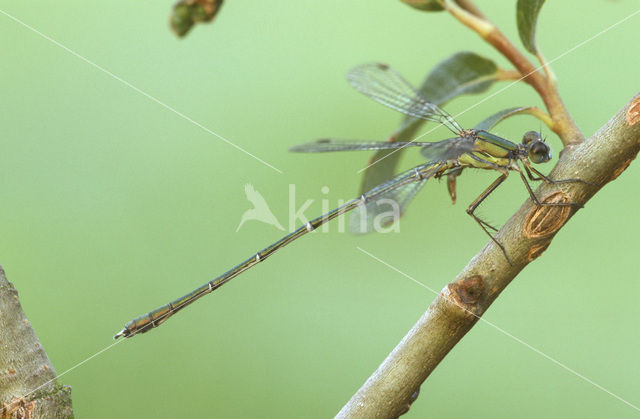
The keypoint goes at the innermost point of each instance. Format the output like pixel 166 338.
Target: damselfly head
pixel 537 150
pixel 530 137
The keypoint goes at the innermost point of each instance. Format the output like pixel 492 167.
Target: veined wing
pixel 385 85
pixel 387 202
pixel 330 144
pixel 444 150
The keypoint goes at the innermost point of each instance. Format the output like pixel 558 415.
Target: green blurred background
pixel 112 205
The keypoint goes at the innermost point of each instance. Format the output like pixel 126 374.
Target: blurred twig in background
pixel 187 13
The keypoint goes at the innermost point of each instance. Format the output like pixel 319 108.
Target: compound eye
pixel 531 136
pixel 539 152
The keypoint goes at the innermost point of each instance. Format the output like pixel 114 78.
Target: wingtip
pixel 308 147
pixel 298 148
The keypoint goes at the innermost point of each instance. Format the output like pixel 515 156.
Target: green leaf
pixel 426 5
pixel 462 73
pixel 498 117
pixel 180 20
pixel 527 17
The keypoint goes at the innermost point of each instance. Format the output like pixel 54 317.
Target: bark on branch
pixel 25 367
pixel 602 158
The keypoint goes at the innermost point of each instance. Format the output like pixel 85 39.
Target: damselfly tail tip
pixel 124 333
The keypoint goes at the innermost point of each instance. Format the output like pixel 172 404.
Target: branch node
pixel 467 291
pixel 412 399
pixel 481 26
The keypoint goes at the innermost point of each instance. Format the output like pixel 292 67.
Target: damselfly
pixel 469 149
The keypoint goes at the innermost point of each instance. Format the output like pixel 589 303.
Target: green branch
pixel 394 385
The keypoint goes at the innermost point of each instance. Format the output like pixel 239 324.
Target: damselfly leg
pixel 541 176
pixel 483 224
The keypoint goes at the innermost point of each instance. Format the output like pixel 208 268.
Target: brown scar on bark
pixel 543 221
pixel 536 251
pixel 621 169
pixel 17 408
pixel 633 113
pixel 467 291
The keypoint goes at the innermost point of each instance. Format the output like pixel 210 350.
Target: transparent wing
pixel 387 202
pixel 380 213
pixel 385 85
pixel 330 144
pixel 444 150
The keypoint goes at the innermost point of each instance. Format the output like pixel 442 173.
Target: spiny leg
pixel 483 224
pixel 541 176
pixel 498 168
pixel 536 201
